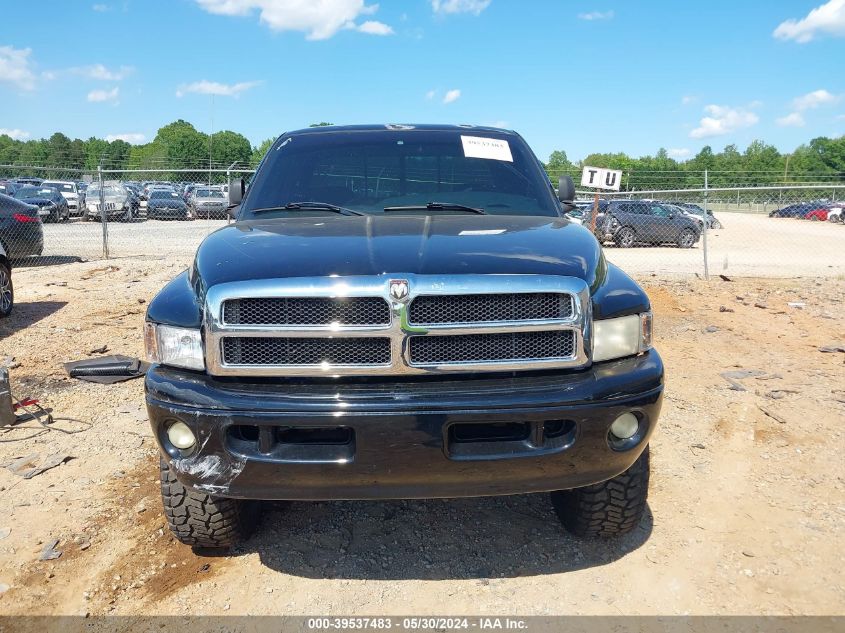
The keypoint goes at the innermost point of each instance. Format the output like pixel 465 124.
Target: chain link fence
pixel 677 223
pixel 108 213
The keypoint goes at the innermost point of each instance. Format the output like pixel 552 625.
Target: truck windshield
pixel 372 170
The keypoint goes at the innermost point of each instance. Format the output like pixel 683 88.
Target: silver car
pixel 208 202
pixel 117 201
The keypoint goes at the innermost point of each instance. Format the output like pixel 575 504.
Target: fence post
pixel 103 214
pixel 704 229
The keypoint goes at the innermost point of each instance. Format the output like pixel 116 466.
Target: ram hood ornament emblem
pixel 399 289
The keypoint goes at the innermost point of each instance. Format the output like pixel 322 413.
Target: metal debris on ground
pixel 28 466
pixel 734 376
pixel 50 552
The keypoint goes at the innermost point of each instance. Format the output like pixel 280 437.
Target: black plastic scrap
pixel 107 370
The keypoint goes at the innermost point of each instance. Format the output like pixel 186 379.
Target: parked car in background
pixel 208 203
pixel 29 180
pixel 798 210
pixel 69 191
pixel 52 206
pixel 630 222
pixel 118 203
pixel 696 211
pixel 818 214
pixel 166 204
pixel 7 291
pixel 8 188
pixel 836 214
pixel 21 231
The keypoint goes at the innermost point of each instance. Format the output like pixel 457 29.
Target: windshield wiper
pixel 438 206
pixel 322 206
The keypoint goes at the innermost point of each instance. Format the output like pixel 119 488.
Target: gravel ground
pixel 746 513
pixel 750 245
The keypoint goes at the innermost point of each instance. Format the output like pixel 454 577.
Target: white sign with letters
pixel 600 178
pixel 489 148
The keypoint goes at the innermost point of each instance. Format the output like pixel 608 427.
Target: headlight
pixel 624 336
pixel 174 346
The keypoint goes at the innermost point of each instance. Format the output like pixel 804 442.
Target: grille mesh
pixel 307 311
pixel 305 351
pixel 435 310
pixel 467 348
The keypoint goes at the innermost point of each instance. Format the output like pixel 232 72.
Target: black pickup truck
pixel 401 312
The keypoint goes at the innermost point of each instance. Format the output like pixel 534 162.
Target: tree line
pixel 760 164
pixel 181 145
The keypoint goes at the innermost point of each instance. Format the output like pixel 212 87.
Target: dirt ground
pixel 746 513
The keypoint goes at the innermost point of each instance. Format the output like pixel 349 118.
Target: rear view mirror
pixel 236 191
pixel 566 191
pixel 232 212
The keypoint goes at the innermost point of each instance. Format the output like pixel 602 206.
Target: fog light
pixel 625 426
pixel 181 436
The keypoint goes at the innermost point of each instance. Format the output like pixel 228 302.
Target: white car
pixel 837 214
pixel 69 192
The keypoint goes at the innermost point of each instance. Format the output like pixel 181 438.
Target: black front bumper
pixel 413 439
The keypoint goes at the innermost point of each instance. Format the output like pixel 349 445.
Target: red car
pixel 817 214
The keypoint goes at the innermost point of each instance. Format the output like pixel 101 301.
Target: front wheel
pixel 625 238
pixel 715 224
pixel 611 508
pixel 7 291
pixel 686 239
pixel 202 520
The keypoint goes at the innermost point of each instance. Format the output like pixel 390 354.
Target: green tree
pixel 259 152
pixel 230 147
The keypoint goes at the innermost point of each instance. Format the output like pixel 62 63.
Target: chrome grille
pixel 307 311
pixel 474 348
pixel 305 351
pixel 353 326
pixel 487 308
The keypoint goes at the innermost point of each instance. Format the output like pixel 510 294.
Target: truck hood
pixel 376 244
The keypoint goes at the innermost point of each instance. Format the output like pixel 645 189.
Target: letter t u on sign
pixel 600 178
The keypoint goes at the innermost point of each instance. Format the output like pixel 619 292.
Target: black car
pixel 630 222
pixel 21 232
pixel 8 188
pixel 52 205
pixel 166 204
pixel 401 312
pixel 7 290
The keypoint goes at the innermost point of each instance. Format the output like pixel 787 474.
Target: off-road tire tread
pixel 201 520
pixel 611 508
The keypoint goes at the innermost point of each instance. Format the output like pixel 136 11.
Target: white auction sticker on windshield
pixel 489 148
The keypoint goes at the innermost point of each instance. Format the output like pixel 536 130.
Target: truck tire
pixel 611 508
pixel 625 237
pixel 715 224
pixel 202 520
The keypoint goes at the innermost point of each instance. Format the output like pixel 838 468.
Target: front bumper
pixel 400 439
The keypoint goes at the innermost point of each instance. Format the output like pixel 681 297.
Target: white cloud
pixel 679 152
pixel 15 133
pixel 596 15
pixel 100 8
pixel 793 119
pixel 320 20
pixel 430 94
pixel 828 19
pixel 814 99
pixel 100 96
pixel 133 138
pixel 372 27
pixel 451 96
pixel 688 99
pixel 215 88
pixel 459 6
pixel 98 71
pixel 724 120
pixel 15 67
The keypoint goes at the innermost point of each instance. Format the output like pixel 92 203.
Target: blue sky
pixel 579 75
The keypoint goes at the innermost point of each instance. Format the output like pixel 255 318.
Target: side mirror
pixel 236 191
pixel 566 189
pixel 232 211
